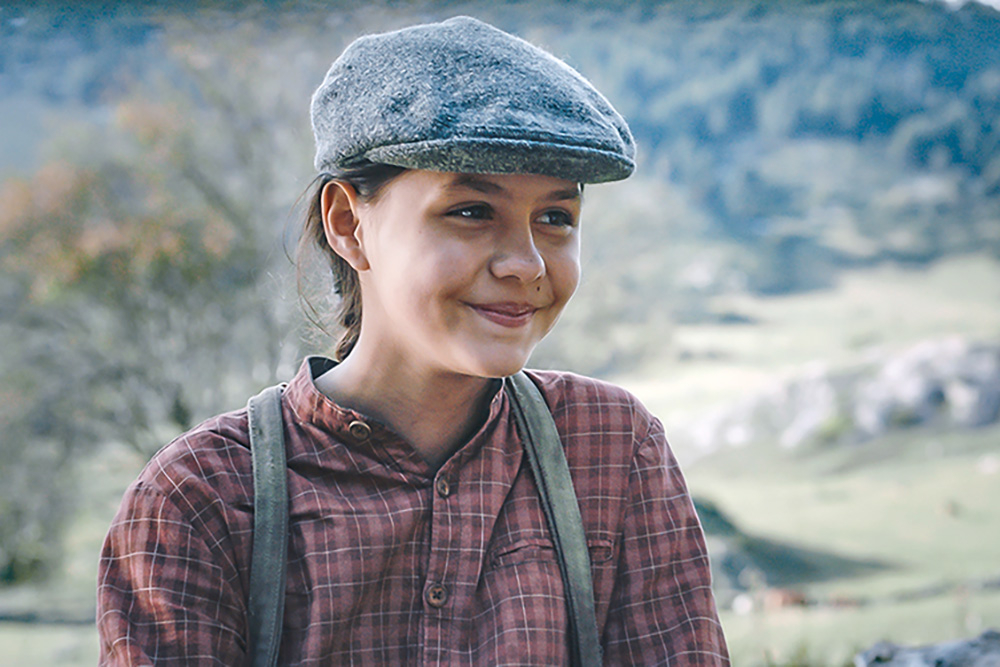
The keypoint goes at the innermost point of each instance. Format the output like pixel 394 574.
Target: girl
pixel 453 158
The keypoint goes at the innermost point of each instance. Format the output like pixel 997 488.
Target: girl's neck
pixel 435 412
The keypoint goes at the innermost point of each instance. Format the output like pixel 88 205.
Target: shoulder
pixel 206 468
pixel 603 426
pixel 192 502
pixel 588 403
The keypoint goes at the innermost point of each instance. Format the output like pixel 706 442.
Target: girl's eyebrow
pixel 565 195
pixel 486 186
pixel 473 182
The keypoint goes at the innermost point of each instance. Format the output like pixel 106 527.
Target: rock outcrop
pixel 952 382
pixel 982 651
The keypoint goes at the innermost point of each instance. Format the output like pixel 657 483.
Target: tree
pixel 145 287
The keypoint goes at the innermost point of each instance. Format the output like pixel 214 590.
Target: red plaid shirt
pixel 393 563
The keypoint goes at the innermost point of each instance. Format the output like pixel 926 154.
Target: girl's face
pixel 466 273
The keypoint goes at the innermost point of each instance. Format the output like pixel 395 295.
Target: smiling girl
pixel 452 159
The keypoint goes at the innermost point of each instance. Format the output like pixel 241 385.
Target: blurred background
pixel 801 280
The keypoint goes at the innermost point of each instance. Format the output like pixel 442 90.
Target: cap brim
pixel 507 156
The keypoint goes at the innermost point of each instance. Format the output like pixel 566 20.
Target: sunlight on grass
pixel 830 637
pixel 917 511
pixel 36 645
pixel 869 314
pixel 930 510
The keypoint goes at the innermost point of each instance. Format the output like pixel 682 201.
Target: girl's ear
pixel 341 222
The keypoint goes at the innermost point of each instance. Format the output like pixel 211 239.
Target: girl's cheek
pixel 459 256
pixel 568 263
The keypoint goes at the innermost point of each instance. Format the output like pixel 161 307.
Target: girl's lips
pixel 511 315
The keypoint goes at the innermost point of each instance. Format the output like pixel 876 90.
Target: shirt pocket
pixel 601 552
pixel 521 607
pixel 521 551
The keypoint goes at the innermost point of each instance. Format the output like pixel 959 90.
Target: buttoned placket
pixel 458 531
pixel 443 569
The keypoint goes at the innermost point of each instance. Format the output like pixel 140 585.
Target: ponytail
pixel 368 182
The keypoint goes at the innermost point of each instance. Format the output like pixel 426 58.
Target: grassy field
pixel 924 504
pixel 831 637
pixel 42 645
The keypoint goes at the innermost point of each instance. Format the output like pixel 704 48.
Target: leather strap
pixel 562 513
pixel 266 606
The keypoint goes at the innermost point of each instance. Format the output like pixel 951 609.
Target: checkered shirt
pixel 394 563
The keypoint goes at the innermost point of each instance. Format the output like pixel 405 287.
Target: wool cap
pixel 463 96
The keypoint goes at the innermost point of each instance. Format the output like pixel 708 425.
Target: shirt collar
pixel 366 435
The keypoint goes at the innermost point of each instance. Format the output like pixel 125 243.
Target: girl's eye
pixel 556 219
pixel 472 212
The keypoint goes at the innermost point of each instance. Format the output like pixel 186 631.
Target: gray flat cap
pixel 466 97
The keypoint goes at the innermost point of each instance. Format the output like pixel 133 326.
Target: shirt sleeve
pixel 162 597
pixel 662 609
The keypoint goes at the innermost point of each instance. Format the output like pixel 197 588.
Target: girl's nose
pixel 518 257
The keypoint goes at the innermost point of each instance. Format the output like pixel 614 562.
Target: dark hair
pixel 368 181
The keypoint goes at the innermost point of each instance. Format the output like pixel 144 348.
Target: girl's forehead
pixel 511 186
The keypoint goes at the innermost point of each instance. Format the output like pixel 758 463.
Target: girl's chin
pixel 499 365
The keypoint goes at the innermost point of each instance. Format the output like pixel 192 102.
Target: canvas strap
pixel 266 604
pixel 562 513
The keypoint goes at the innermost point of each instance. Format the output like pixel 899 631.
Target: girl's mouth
pixel 511 315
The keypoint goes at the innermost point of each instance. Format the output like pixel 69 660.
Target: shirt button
pixel 360 430
pixel 436 595
pixel 443 487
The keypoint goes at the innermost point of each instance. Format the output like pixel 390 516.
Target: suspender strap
pixel 551 473
pixel 562 513
pixel 270 527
